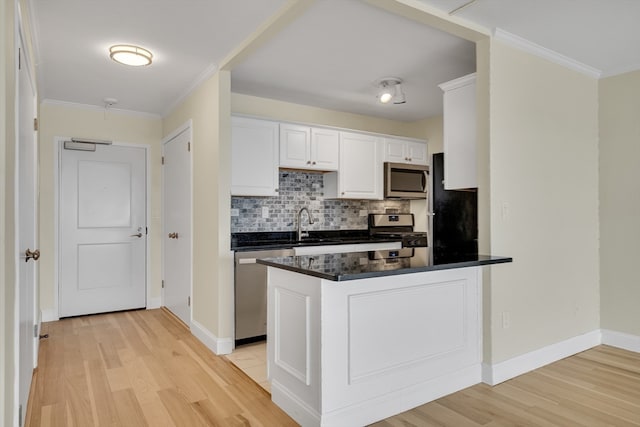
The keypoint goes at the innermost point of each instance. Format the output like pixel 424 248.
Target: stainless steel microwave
pixel 405 181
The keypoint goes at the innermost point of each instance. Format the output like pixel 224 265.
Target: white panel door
pixel 177 226
pixel 27 175
pixel 103 231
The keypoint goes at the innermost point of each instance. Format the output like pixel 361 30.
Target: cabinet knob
pixel 313 163
pixel 308 162
pixel 277 190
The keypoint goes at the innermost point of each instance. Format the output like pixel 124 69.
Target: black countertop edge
pixel 342 277
pixel 287 239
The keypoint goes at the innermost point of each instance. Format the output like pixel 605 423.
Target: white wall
pixel 543 172
pixel 620 202
pixel 69 120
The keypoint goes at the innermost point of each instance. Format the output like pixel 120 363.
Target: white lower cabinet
pixel 354 352
pixel 360 171
pixel 254 157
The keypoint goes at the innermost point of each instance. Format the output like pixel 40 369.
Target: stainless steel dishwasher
pixel 251 294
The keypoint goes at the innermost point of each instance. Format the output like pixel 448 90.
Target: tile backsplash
pixel 300 189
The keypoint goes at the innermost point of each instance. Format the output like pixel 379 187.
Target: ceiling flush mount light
pixel 130 55
pixel 390 90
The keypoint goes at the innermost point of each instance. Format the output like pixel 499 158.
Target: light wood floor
pixel 140 368
pixel 599 387
pixel 144 368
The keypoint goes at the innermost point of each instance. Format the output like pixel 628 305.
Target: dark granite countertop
pixel 362 265
pixel 287 239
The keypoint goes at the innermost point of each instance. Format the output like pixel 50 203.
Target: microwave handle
pixel 424 180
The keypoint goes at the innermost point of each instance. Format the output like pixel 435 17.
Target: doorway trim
pixel 58 141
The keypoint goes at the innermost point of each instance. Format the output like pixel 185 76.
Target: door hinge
pixel 35 331
pixel 146 230
pixel 189 301
pixel 189 146
pixel 163 284
pixel 35 123
pixel 163 160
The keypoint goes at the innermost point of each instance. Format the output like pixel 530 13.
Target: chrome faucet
pixel 301 233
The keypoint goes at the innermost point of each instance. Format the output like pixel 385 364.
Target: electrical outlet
pixel 265 212
pixel 506 320
pixel 364 212
pixel 235 212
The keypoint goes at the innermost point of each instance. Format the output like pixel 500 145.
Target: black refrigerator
pixel 455 219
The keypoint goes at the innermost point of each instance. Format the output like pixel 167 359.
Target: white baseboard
pixel 302 413
pixel 621 340
pixel 503 371
pixel 49 315
pixel 154 303
pixel 217 345
pixel 370 411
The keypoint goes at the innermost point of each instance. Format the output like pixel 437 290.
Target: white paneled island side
pixel 354 338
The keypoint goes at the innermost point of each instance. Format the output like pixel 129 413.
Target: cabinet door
pixel 295 146
pixel 459 128
pixel 395 150
pixel 417 153
pixel 325 149
pixel 360 173
pixel 402 151
pixel 254 157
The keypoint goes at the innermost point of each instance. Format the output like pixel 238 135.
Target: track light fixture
pixel 390 90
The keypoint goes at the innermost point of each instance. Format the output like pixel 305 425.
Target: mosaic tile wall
pixel 305 189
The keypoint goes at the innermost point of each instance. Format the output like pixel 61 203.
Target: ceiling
pixel 328 57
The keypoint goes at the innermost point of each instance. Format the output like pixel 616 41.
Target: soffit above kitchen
pixel 328 57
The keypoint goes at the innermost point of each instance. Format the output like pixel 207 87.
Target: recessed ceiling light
pixel 130 55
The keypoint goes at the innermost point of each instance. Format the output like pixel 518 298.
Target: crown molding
pixel 89 107
pixel 548 54
pixel 202 77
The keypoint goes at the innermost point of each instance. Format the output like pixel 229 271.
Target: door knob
pixel 31 255
pixel 136 235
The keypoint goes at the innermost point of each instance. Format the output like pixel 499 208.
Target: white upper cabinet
pixel 254 157
pixel 360 176
pixel 303 147
pixel 403 151
pixel 460 134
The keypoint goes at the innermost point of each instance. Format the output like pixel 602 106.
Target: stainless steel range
pixel 397 226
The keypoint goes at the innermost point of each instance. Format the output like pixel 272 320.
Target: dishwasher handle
pixel 246 260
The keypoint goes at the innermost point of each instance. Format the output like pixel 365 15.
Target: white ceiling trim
pixel 208 72
pixel 98 108
pixel 548 54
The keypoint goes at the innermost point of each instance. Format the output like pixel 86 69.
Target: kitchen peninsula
pixel 357 337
